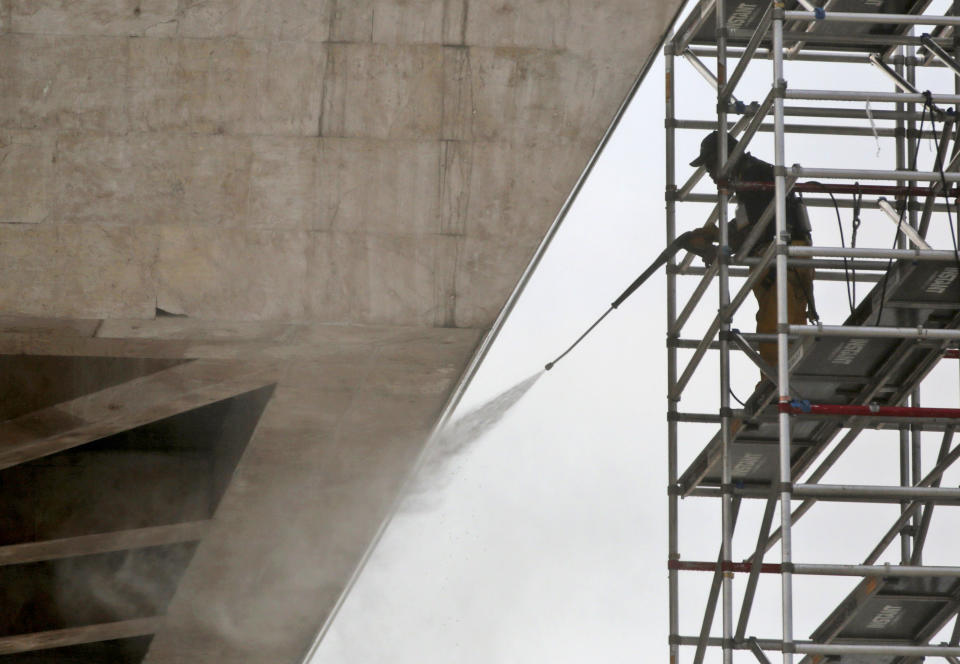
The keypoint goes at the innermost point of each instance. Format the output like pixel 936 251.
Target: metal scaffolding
pixel 831 383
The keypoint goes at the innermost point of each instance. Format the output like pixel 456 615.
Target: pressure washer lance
pixel 681 242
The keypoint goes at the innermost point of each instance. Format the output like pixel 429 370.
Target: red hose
pixel 889 411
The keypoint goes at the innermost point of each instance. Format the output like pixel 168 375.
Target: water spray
pixel 687 240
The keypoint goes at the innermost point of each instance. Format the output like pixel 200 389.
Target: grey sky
pixel 545 540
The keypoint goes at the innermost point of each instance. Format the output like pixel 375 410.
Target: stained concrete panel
pixel 236 86
pixel 382 91
pixel 575 26
pixel 352 21
pixel 26 165
pixel 286 185
pixel 90 17
pixel 63 82
pixel 398 21
pixel 370 278
pixel 192 280
pixel 406 199
pixel 151 178
pixel 518 94
pixel 505 182
pixel 260 181
pixel 409 21
pixel 90 271
pixel 278 20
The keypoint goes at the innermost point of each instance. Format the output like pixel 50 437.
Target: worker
pixel 750 206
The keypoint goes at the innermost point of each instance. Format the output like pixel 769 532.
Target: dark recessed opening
pixel 166 472
pixel 172 471
pixel 88 590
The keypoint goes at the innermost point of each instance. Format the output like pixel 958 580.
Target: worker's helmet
pixel 709 147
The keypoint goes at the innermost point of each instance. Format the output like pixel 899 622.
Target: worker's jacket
pixel 752 203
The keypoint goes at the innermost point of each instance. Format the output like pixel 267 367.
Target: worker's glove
pixel 700 242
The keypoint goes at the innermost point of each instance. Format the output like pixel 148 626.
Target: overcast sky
pixel 545 539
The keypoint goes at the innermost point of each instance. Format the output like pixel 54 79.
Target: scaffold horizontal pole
pixel 834 188
pixel 697 418
pixel 816 569
pixel 880 423
pixel 868 411
pixel 808 647
pixel 869 17
pixel 765 54
pixel 749 336
pixel 863 174
pixel 822 264
pixel 875 649
pixel 876 97
pixel 883 493
pixel 875 570
pixel 851 113
pixel 866 252
pixel 820 275
pixel 811 201
pixel 866 41
pixel 817 129
pixel 842 494
pixel 821 330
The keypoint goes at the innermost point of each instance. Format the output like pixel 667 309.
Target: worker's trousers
pixel 799 286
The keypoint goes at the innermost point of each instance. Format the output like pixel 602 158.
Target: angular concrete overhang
pixel 248 250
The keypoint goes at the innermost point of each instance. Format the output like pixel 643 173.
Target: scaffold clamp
pixel 803 405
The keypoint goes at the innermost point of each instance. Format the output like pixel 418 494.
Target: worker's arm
pixel 701 242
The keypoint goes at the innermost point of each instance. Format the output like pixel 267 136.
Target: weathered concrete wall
pixel 374 162
pixel 298 164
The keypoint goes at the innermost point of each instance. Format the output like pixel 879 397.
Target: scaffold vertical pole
pixel 726 500
pixel 905 548
pixel 904 149
pixel 671 205
pixel 783 374
pixel 916 474
pixel 955 7
pixel 913 145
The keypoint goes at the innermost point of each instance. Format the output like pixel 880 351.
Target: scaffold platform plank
pixel 890 611
pixel 841 370
pixel 745 15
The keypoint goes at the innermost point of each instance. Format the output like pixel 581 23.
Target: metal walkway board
pixel 746 14
pixel 889 611
pixel 841 370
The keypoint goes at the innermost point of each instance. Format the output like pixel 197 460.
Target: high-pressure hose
pixel 683 241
